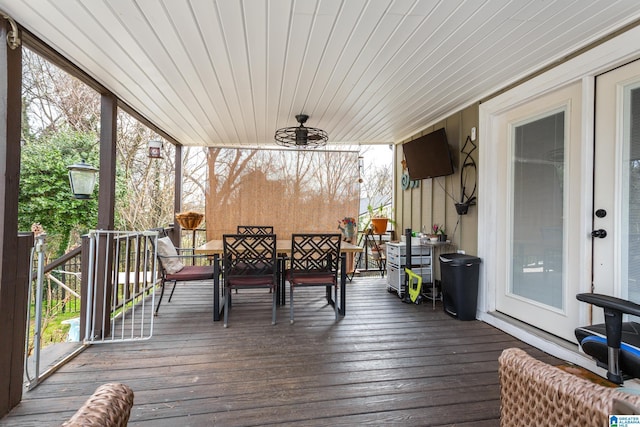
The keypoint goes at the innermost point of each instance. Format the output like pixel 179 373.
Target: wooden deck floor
pixel 385 363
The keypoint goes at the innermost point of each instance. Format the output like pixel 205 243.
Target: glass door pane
pixel 537 211
pixel 630 230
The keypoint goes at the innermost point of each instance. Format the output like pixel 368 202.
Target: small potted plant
pixel 379 220
pixel 189 220
pixel 439 234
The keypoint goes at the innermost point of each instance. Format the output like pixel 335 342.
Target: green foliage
pixel 381 212
pixel 45 196
pixel 53 331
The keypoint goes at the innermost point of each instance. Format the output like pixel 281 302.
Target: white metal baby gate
pixel 119 281
pixel 121 286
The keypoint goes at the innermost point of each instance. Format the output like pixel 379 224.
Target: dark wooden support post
pixel 108 138
pixel 177 196
pixel 12 333
pixel 106 207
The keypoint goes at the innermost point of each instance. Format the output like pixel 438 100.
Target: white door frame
pixel 556 319
pixel 609 253
pixel 583 68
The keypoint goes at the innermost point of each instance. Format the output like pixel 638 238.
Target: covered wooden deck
pixel 385 363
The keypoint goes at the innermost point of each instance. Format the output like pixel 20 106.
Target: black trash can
pixel 459 274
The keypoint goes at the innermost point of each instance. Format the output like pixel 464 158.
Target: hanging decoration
pixel 468 172
pixel 406 181
pixel 155 149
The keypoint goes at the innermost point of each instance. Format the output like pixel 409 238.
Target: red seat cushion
pixel 193 272
pixel 250 280
pixel 316 278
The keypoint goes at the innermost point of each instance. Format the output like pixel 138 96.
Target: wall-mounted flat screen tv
pixel 428 156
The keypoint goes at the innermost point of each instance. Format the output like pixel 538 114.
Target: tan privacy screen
pixel 295 191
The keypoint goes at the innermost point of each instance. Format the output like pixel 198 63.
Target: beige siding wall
pixel 434 200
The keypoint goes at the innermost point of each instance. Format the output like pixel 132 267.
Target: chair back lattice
pixel 249 254
pixel 255 229
pixel 315 252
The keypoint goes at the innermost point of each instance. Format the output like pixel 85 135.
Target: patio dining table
pixel 214 248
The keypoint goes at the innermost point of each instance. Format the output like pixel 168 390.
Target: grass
pixel 56 331
pixel 53 330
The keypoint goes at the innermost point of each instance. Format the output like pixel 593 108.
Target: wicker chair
pixel 109 406
pixel 533 393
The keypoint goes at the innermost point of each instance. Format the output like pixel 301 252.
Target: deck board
pixel 385 363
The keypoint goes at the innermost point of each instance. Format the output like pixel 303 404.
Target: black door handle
pixel 599 233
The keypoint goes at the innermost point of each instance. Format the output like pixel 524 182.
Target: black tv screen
pixel 428 156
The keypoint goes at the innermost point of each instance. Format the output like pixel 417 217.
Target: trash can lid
pixel 459 259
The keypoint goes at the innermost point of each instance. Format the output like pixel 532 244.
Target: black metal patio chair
pixel 172 269
pixel 314 261
pixel 249 261
pixel 255 229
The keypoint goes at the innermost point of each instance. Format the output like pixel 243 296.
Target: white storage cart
pixel 422 261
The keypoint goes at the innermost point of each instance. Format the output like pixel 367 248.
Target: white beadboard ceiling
pixel 229 72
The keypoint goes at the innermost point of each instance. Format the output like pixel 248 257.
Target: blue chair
pixel 615 345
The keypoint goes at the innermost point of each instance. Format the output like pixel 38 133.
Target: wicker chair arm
pixel 533 393
pixel 109 406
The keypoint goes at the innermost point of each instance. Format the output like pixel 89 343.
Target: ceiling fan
pixel 301 136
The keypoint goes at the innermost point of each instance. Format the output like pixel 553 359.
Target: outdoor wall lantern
pixel 155 149
pixel 82 178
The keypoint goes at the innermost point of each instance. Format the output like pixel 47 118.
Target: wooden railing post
pixel 13 304
pixel 18 309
